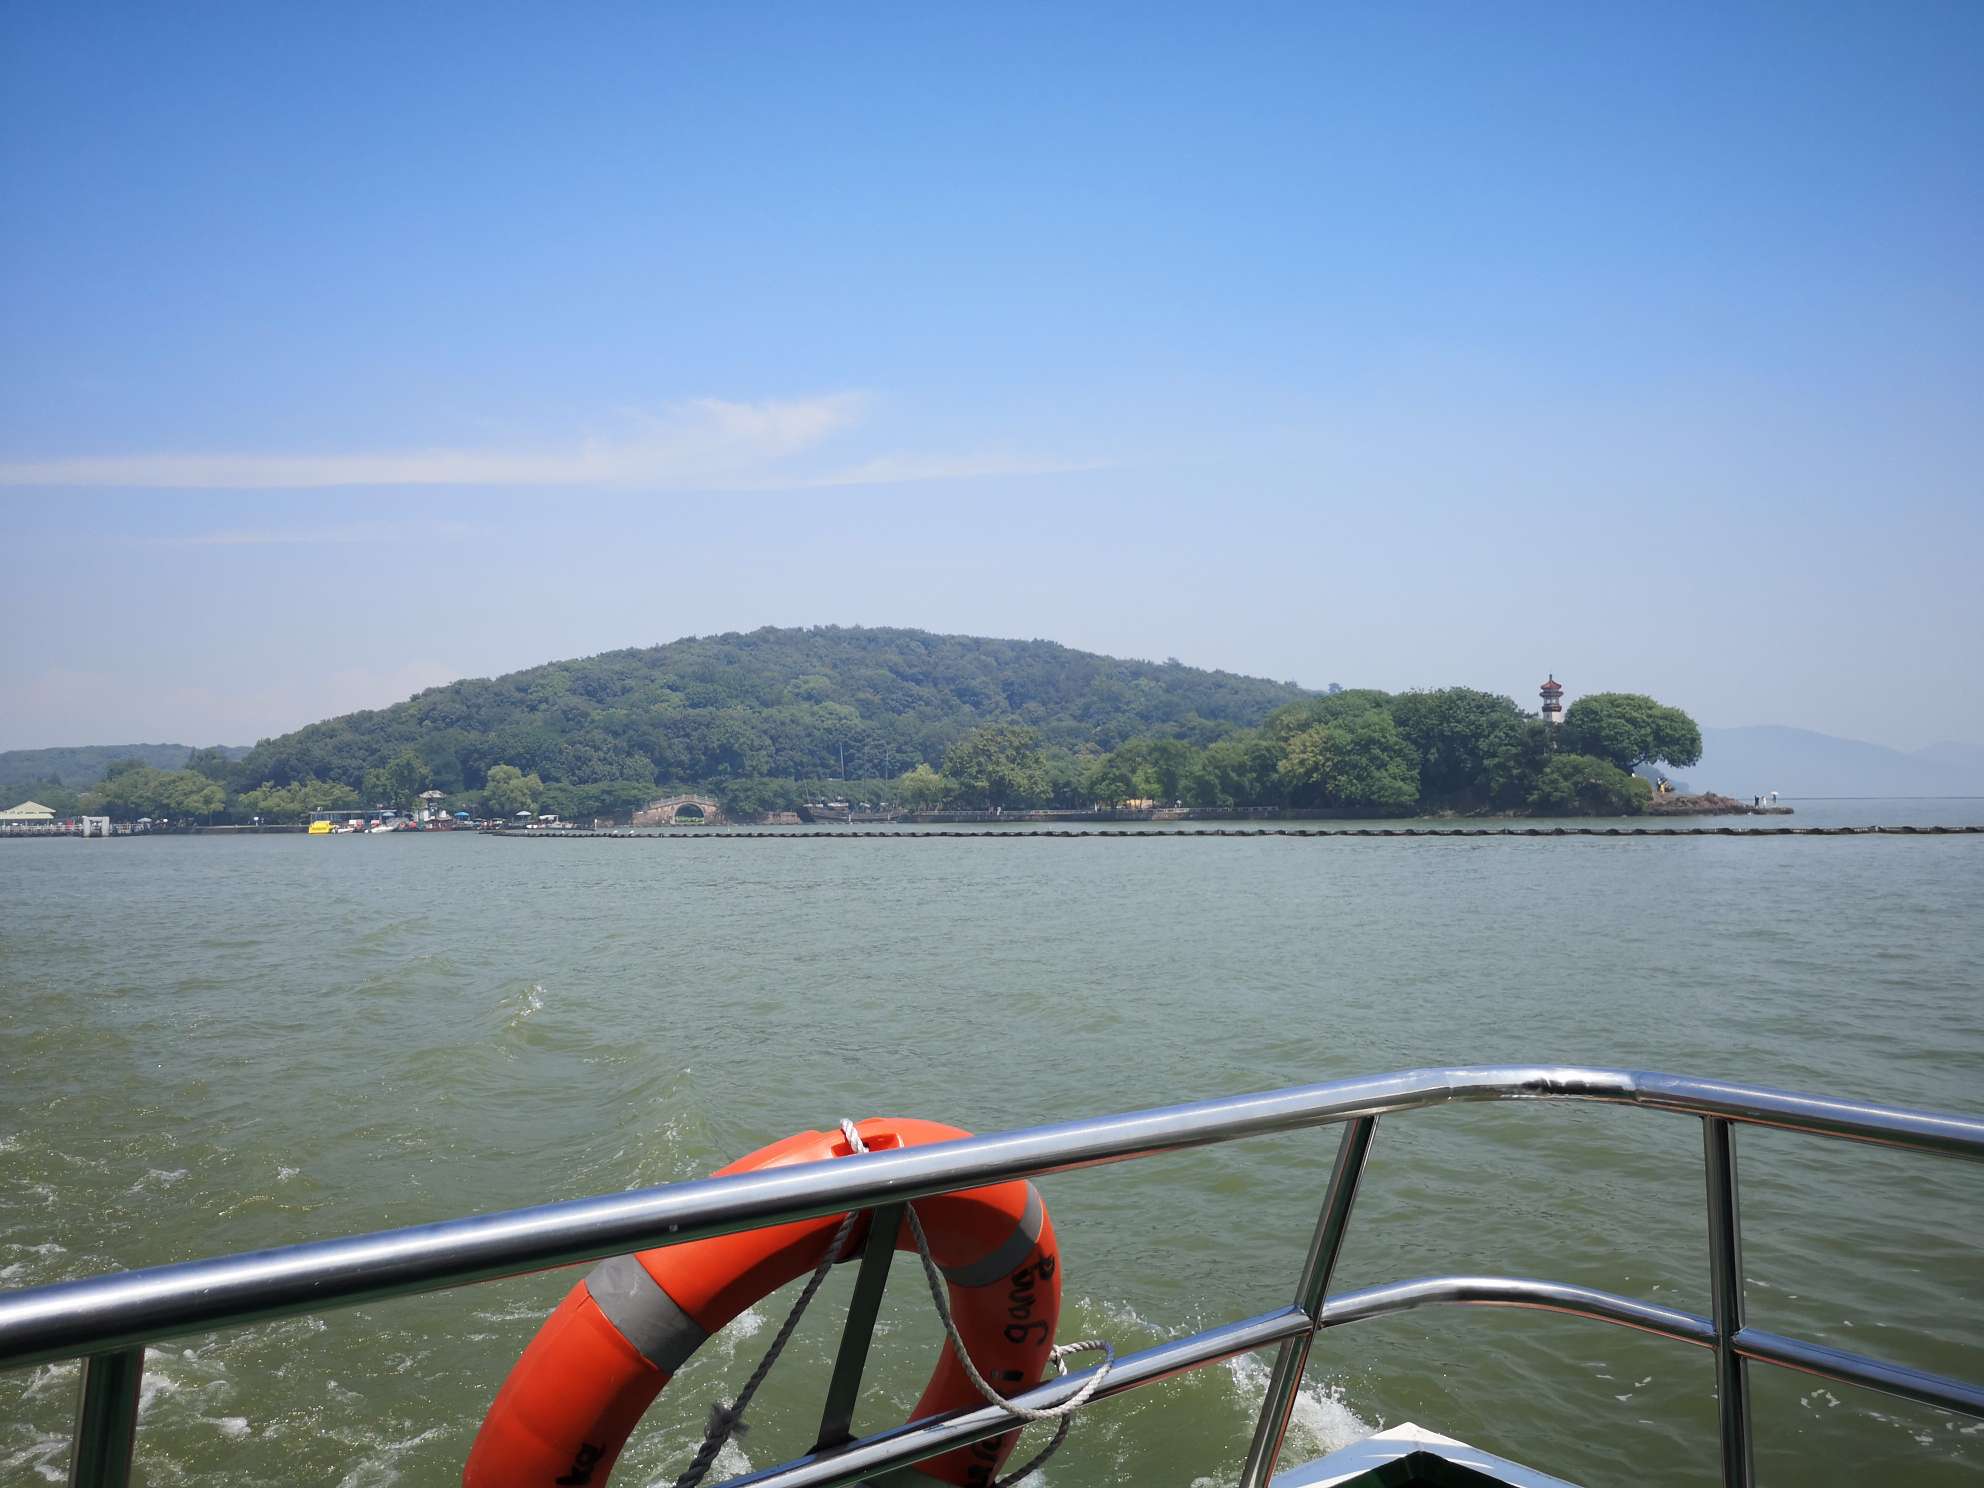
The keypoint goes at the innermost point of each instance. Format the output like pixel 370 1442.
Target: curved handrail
pixel 1517 1291
pixel 127 1308
pixel 959 1428
pixel 1666 1322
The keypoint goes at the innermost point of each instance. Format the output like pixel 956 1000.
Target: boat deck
pixel 1410 1456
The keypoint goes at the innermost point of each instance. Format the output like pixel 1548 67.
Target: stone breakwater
pixel 842 835
pixel 1710 805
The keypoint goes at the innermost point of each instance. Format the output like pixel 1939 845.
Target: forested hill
pixel 812 704
pixel 82 765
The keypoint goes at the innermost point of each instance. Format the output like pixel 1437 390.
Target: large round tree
pixel 1629 728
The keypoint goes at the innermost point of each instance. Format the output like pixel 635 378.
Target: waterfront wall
pixel 1342 834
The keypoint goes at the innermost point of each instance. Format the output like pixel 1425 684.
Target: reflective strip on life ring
pixel 600 1359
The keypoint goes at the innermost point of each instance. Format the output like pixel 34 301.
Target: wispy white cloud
pixel 893 470
pixel 701 444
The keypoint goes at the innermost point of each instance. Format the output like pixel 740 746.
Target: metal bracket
pixel 1285 1379
pixel 1725 1253
pixel 837 1421
pixel 107 1419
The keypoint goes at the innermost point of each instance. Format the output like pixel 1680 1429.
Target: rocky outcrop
pixel 1710 804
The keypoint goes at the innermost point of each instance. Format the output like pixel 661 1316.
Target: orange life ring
pixel 582 1384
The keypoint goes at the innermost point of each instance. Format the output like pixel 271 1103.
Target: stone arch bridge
pixel 667 812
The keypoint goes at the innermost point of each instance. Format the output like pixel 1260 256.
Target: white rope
pixel 728 1421
pixel 940 1298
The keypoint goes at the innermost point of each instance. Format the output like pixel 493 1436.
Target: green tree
pixel 756 795
pixel 1628 729
pixel 1513 772
pixel 194 795
pixel 998 765
pixel 922 789
pixel 142 791
pixel 1333 708
pixel 1167 762
pixel 1111 780
pixel 561 800
pixel 615 797
pixel 1066 773
pixel 313 795
pixel 212 763
pixel 399 781
pixel 1360 762
pixel 1580 785
pixel 1463 738
pixel 1237 771
pixel 1139 770
pixel 508 790
pixel 289 803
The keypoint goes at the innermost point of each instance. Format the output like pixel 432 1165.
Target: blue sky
pixel 353 350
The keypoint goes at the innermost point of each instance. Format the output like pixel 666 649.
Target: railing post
pixel 1285 1382
pixel 106 1420
pixel 837 1421
pixel 1725 1252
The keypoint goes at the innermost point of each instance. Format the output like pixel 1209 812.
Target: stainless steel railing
pixel 108 1320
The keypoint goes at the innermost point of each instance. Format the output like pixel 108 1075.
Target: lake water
pixel 212 1044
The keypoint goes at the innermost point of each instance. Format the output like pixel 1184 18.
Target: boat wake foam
pixel 1322 1421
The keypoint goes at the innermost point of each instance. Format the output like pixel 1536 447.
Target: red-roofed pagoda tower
pixel 1553 700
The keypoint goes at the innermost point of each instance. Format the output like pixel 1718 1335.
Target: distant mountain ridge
pixel 1749 761
pixel 79 765
pixel 830 701
pixel 820 703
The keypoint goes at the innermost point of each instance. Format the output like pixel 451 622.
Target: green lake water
pixel 209 1044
